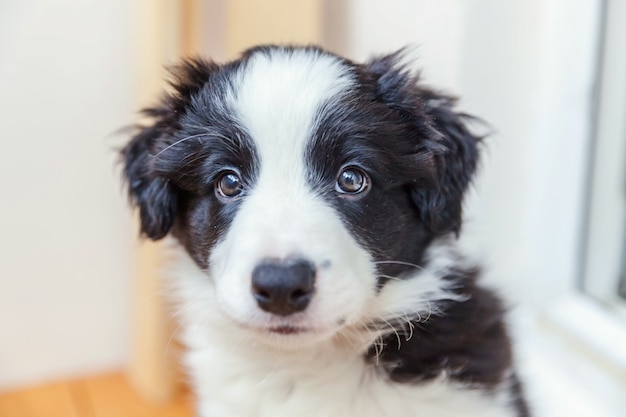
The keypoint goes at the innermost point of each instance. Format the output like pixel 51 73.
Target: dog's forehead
pixel 280 95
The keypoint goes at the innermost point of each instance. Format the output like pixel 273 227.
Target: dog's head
pixel 302 183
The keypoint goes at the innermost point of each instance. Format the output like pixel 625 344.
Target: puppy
pixel 316 202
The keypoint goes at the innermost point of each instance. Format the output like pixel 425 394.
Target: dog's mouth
pixel 290 334
pixel 287 329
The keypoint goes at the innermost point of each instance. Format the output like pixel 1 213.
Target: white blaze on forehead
pixel 279 95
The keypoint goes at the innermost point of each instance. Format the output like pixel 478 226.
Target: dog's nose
pixel 283 288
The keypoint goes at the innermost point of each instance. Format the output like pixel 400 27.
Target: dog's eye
pixel 352 180
pixel 229 185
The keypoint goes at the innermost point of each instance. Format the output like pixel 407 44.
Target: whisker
pixel 410 325
pixel 213 132
pixel 169 342
pixel 178 142
pixel 353 336
pixel 401 263
pixel 394 330
pixel 390 277
pixel 430 311
pixel 180 170
pixel 378 349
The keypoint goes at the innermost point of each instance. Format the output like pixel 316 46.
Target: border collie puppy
pixel 316 202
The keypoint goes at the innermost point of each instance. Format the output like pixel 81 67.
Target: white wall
pixel 66 83
pixel 529 69
pixel 434 29
pixel 526 67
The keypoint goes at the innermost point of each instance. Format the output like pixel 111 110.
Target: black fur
pixel 467 340
pixel 442 129
pixel 155 195
pixel 156 198
pixel 171 165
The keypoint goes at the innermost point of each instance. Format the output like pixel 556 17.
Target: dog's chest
pixel 230 383
pixel 235 375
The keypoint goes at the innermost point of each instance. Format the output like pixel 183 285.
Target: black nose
pixel 283 288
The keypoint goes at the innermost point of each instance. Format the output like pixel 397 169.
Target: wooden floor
pixel 100 396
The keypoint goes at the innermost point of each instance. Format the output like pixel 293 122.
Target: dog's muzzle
pixel 283 287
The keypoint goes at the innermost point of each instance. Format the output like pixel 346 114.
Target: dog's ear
pixel 155 195
pixel 441 207
pixel 439 130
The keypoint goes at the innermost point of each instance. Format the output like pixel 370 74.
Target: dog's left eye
pixel 229 185
pixel 352 180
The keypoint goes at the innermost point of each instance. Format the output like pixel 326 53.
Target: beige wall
pixel 66 83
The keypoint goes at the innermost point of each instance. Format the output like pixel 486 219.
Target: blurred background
pixel 547 215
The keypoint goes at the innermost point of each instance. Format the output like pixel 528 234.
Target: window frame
pixel 606 226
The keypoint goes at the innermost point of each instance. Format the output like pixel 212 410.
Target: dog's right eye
pixel 351 181
pixel 229 185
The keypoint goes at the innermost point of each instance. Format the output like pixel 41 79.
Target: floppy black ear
pixel 155 195
pixel 439 129
pixel 441 207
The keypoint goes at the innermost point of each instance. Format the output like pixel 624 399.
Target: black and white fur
pixel 318 202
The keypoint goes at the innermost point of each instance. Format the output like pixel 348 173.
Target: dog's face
pixel 300 182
